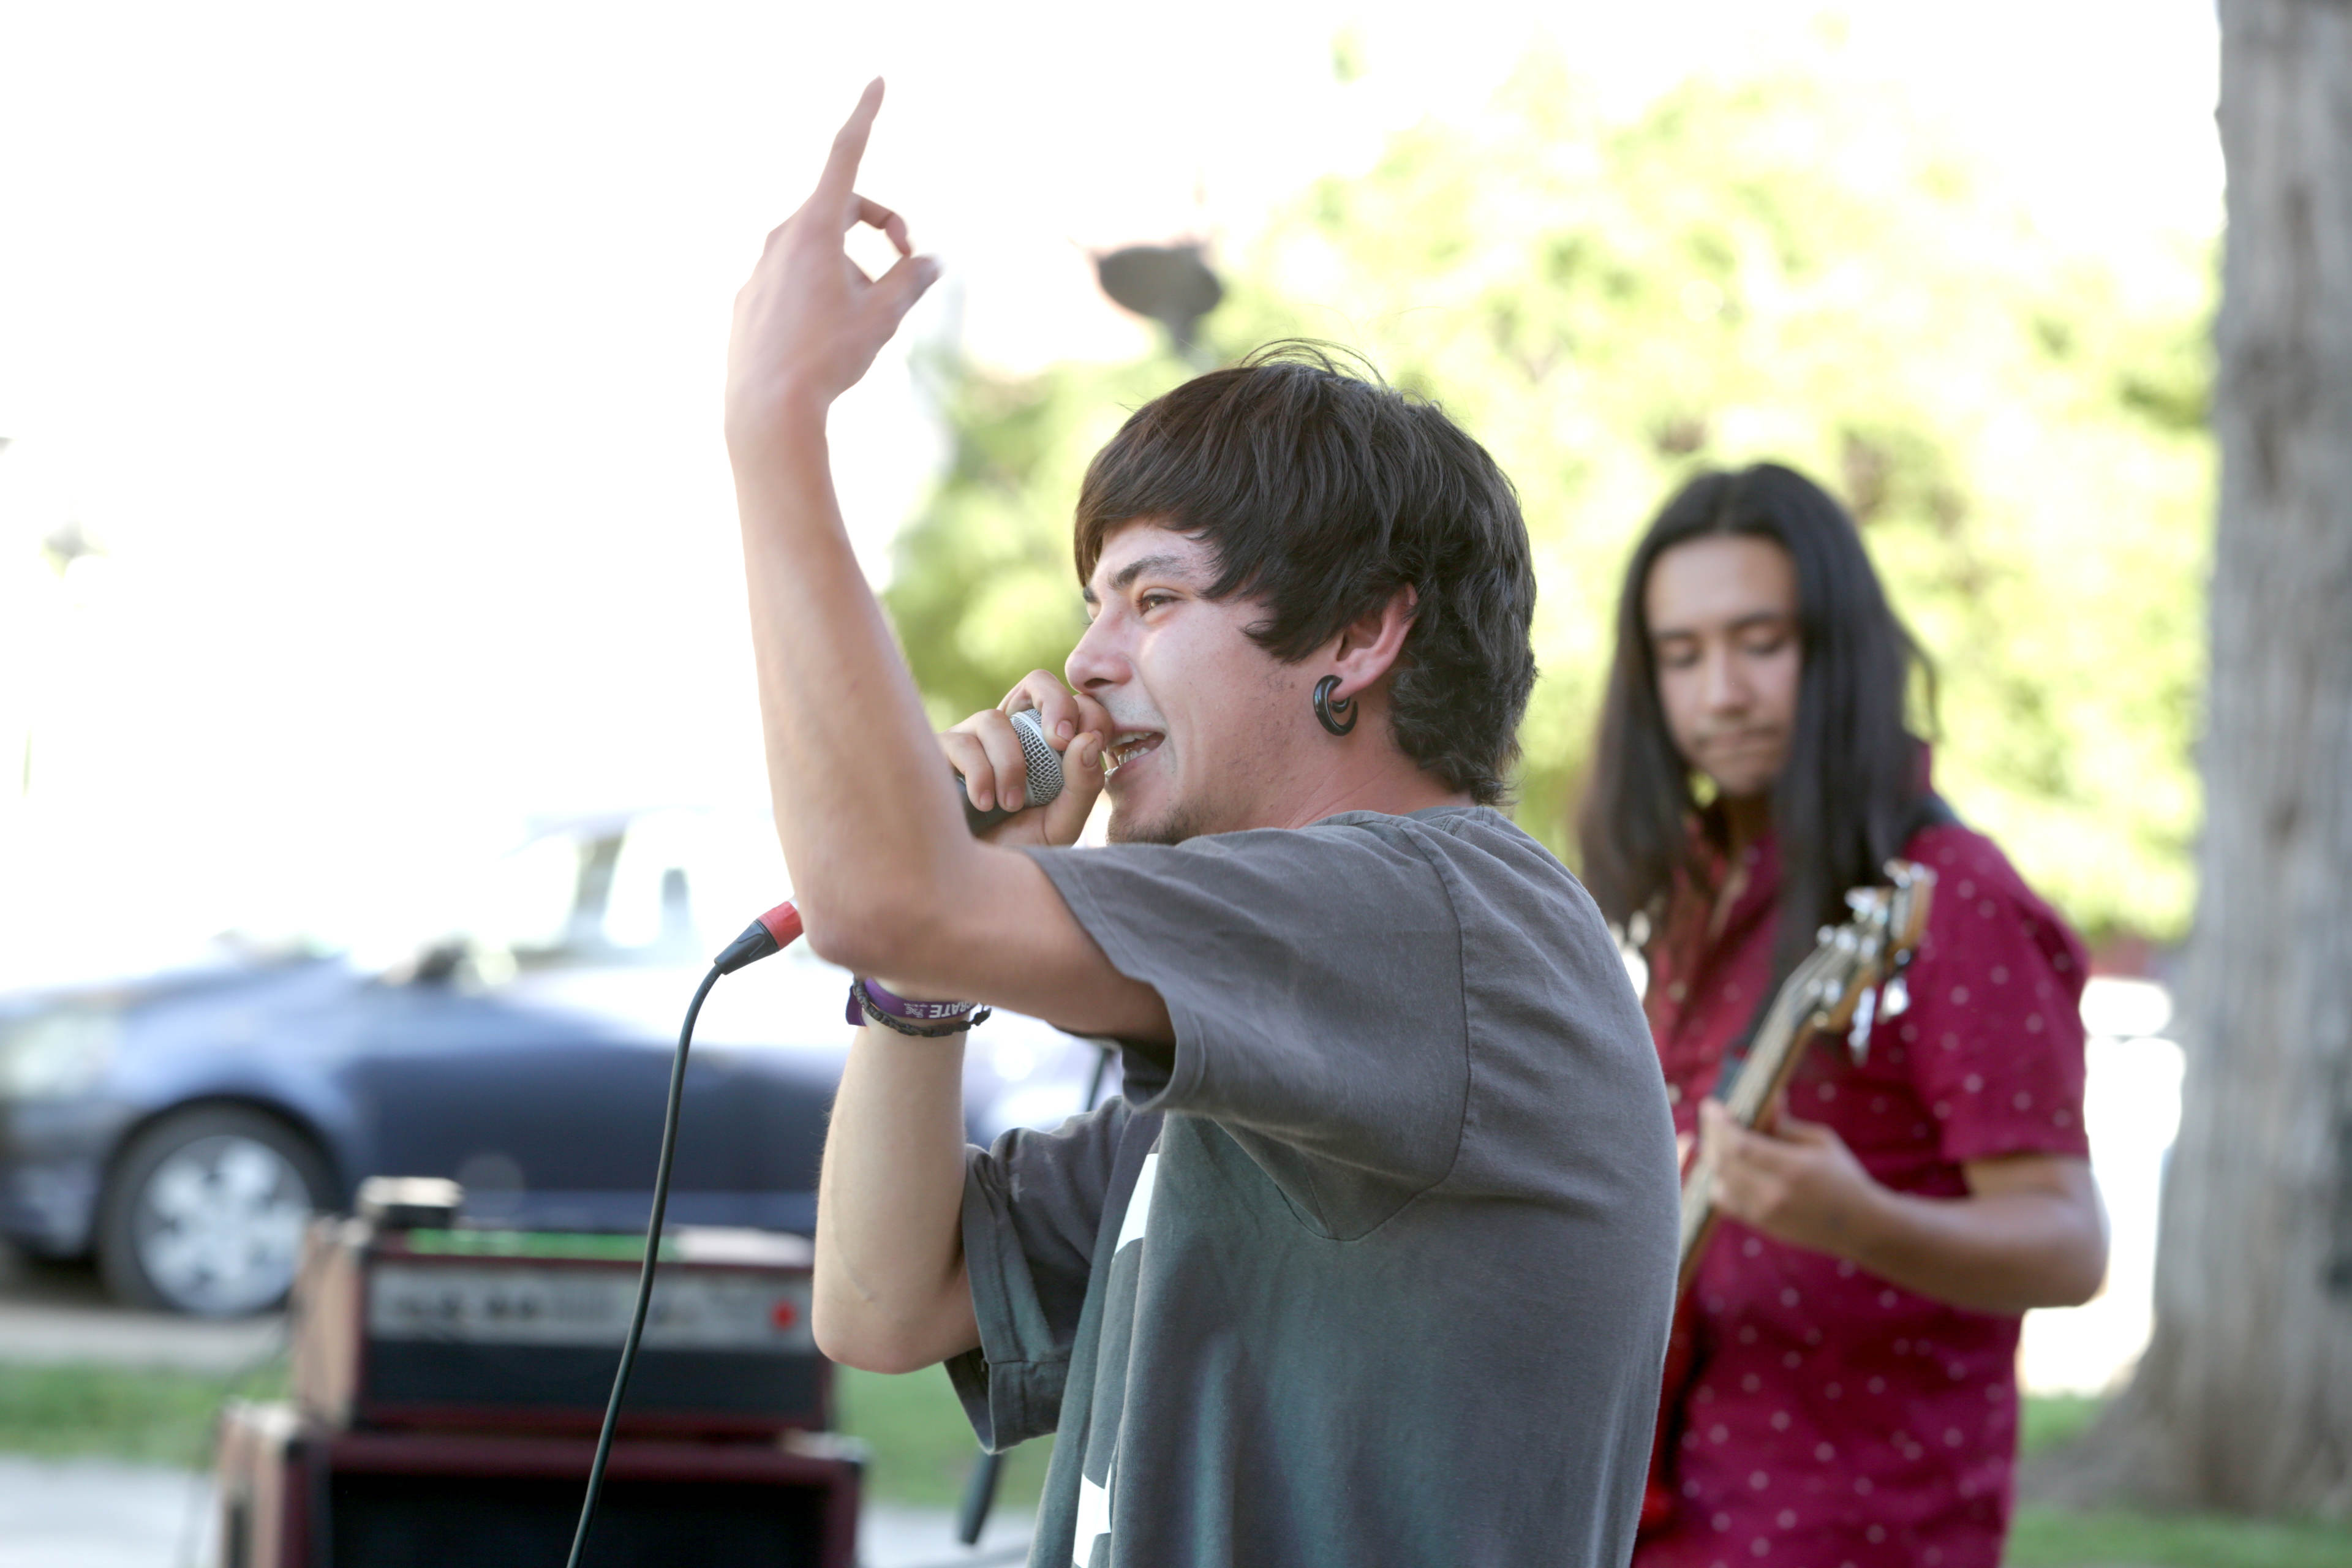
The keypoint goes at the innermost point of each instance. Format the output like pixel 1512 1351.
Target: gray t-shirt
pixel 1380 1272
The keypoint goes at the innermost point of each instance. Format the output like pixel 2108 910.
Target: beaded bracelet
pixel 869 1001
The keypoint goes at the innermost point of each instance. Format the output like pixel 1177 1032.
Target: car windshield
pixel 652 887
pixel 598 912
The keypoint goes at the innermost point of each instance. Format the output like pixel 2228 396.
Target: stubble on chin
pixel 1173 826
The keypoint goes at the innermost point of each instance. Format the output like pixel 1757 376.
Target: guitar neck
pixel 1772 1059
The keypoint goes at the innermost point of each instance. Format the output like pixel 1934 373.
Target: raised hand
pixel 808 322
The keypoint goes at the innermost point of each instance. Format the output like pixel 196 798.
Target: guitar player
pixel 1843 1389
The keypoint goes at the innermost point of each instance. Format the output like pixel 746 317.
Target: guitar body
pixel 1658 1498
pixel 1832 992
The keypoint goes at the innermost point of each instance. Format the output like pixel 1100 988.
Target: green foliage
pixel 984 591
pixel 1784 267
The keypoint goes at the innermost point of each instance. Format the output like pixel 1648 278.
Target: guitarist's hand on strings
pixel 1795 1181
pixel 2029 1233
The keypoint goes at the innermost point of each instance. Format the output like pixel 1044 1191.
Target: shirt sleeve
pixel 1315 980
pixel 1032 1205
pixel 1996 995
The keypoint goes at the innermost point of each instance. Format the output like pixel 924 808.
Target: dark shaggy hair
pixel 1854 786
pixel 1323 493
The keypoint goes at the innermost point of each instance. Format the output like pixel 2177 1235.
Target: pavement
pixel 101 1513
pixel 93 1513
pixel 59 1313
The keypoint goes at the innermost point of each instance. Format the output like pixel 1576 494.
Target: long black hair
pixel 1854 786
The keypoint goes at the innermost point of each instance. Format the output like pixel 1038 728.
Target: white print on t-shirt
pixel 1139 1206
pixel 1094 1516
pixel 1094 1501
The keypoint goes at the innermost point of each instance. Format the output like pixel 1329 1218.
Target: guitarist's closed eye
pixel 1880 1177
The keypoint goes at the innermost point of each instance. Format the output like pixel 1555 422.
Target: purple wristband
pixel 900 1007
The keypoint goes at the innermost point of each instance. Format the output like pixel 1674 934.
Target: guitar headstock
pixel 1871 947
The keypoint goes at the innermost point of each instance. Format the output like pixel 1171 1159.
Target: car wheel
pixel 205 1212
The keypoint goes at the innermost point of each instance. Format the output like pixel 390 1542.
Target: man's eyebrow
pixel 1173 565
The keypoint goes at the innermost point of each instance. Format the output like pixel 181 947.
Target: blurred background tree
pixel 2243 1399
pixel 1788 266
pixel 982 589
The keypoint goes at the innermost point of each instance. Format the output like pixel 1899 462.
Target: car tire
pixel 205 1210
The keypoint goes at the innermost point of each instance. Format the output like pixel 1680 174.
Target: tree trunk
pixel 2243 1400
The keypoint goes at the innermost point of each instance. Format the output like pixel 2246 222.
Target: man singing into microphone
pixel 1371 1263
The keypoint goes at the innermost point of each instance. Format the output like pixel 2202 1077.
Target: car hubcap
pixel 218 1225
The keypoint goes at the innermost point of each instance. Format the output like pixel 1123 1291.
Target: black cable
pixel 645 1272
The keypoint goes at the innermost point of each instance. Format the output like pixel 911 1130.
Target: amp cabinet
pixel 296 1493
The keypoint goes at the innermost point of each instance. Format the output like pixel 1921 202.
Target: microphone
pixel 1045 774
pixel 781 927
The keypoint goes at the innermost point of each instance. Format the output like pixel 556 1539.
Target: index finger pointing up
pixel 840 175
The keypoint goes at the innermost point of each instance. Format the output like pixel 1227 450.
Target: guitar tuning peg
pixel 1857 1040
pixel 1898 998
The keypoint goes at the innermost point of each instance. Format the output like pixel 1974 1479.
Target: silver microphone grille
pixel 1044 763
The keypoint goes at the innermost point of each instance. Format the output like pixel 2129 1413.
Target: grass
pixel 2051 1537
pixel 920 1449
pixel 149 1414
pixel 922 1446
pixel 922 1453
pixel 2054 1420
pixel 2063 1538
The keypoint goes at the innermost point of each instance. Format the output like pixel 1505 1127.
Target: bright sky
pixel 380 346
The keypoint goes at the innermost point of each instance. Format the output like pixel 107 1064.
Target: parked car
pixel 182 1126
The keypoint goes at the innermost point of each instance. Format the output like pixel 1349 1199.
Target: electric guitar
pixel 1835 990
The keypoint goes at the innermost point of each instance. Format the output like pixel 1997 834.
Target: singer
pixel 1371 1263
pixel 1854 1393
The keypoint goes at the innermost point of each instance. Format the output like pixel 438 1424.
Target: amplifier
pixel 484 1329
pixel 295 1493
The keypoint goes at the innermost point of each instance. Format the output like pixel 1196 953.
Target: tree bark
pixel 2243 1400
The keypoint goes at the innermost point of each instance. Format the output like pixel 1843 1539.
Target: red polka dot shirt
pixel 1834 1418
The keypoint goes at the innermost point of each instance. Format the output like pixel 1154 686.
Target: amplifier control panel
pixel 518 1331
pixel 514 1302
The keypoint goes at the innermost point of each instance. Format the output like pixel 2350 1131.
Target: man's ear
pixel 1368 646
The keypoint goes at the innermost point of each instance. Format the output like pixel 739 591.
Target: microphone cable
pixel 771 933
